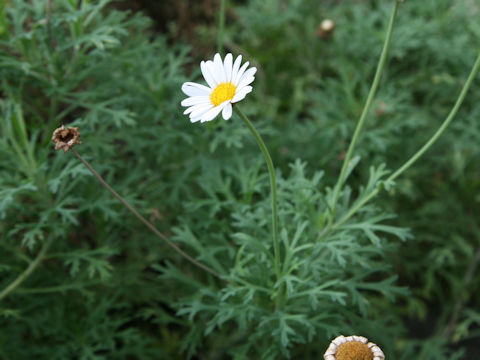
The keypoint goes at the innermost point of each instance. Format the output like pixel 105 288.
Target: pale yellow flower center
pixel 223 92
pixel 353 350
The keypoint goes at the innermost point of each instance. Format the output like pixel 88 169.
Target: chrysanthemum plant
pixel 281 288
pixel 296 264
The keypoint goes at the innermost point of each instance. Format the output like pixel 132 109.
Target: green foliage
pixel 401 270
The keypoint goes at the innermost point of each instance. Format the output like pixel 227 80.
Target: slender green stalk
pixel 460 301
pixel 221 26
pixel 366 109
pixel 24 275
pixel 273 188
pixel 420 152
pixel 445 124
pixel 145 221
pixel 60 288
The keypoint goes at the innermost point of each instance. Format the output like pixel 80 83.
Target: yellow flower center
pixel 353 350
pixel 223 92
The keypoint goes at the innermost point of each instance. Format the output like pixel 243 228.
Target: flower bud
pixel 326 29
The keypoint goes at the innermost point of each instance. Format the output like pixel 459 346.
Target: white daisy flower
pixel 228 83
pixel 353 348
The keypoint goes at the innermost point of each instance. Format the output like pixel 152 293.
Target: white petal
pixel 196 118
pixel 332 348
pixel 236 66
pixel 240 73
pixel 219 68
pixel 227 111
pixel 361 339
pixel 216 75
pixel 377 352
pixel 228 64
pixel 329 357
pixel 349 338
pixel 207 75
pixel 195 100
pixel 197 110
pixel 240 95
pixel 190 109
pixel 339 340
pixel 194 89
pixel 212 113
pixel 245 81
pixel 201 110
pixel 249 73
pixel 330 352
pixel 198 113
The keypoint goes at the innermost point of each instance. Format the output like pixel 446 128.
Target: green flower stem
pixel 145 221
pixel 445 124
pixel 24 275
pixel 421 151
pixel 366 109
pixel 273 188
pixel 60 288
pixel 221 26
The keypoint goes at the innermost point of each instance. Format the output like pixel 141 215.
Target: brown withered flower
pixel 66 138
pixel 326 29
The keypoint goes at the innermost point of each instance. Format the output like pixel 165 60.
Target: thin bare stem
pixel 416 156
pixel 371 95
pixel 145 221
pixel 446 123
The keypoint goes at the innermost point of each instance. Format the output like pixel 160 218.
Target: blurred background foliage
pixel 107 289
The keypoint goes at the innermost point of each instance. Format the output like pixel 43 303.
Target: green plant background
pixel 403 271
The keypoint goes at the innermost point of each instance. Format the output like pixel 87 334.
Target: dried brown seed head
pixel 66 138
pixel 326 28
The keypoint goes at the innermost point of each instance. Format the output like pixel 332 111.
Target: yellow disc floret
pixel 223 92
pixel 353 350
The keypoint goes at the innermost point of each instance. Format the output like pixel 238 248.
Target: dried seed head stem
pixel 66 139
pixel 145 221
